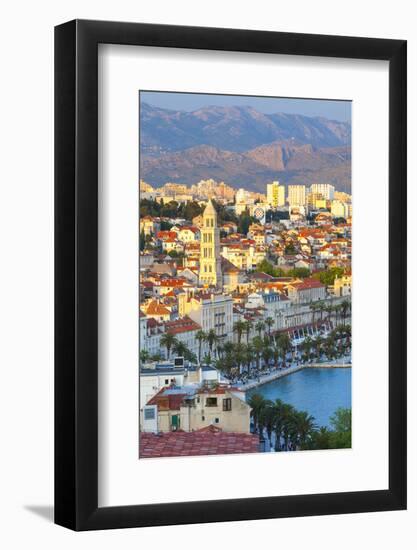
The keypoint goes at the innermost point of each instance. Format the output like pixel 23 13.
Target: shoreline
pixel 280 374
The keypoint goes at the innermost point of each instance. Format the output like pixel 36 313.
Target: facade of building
pixel 297 195
pixel 192 408
pixel 324 189
pixel 339 209
pixel 275 194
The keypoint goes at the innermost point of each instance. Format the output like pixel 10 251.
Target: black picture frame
pixel 76 272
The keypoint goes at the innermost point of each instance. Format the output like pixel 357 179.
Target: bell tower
pixel 210 263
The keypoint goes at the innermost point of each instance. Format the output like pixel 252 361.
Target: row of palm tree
pixel 170 343
pixel 293 429
pixel 337 311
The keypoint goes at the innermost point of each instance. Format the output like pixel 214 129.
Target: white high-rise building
pixel 275 194
pixel 210 262
pixel 340 209
pixel 297 195
pixel 324 189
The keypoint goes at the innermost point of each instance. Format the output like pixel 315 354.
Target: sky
pixel 332 109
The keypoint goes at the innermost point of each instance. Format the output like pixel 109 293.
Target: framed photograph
pixel 230 229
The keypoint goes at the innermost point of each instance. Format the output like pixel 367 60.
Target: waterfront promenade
pixel 265 379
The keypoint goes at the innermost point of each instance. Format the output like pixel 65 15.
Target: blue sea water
pixel 319 391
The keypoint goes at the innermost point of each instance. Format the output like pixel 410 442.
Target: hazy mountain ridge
pixel 243 147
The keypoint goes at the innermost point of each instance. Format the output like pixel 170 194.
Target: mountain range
pixel 243 147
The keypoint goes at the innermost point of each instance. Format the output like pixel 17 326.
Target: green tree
pixel 257 403
pixel 168 341
pixel 144 355
pixel 200 337
pixel 142 241
pixel 248 328
pixel 258 346
pixel 269 322
pixel 239 327
pixel 259 327
pixel 180 349
pixel 212 339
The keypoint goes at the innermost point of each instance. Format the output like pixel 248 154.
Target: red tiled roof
pixel 202 442
pixel 155 308
pixel 181 325
pixel 167 402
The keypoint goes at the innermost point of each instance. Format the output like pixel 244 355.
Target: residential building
pixel 309 290
pixel 339 209
pixel 191 408
pixel 275 194
pixel 297 195
pixel 324 189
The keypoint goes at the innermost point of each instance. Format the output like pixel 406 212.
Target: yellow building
pixel 190 409
pixel 275 194
pixel 210 265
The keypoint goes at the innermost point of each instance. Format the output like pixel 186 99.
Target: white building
pixel 324 189
pixel 340 209
pixel 210 311
pixel 297 195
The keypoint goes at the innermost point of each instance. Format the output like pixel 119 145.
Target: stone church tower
pixel 210 261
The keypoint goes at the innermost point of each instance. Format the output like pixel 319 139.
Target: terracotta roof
pixel 207 441
pixel 167 401
pixel 181 325
pixel 155 308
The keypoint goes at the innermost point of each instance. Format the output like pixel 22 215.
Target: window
pixel 149 414
pixel 211 402
pixel 216 420
pixel 166 381
pixel 227 404
pixel 203 418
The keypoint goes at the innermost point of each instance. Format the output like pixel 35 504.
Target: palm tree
pixel 287 419
pixel 207 360
pixel 305 426
pixel 248 328
pixel 228 348
pixel 144 355
pixel 257 403
pixel 266 418
pixel 313 309
pixel 248 356
pixel 212 339
pixel 306 346
pixel 269 322
pixel 344 308
pixel 258 347
pixel 284 344
pixel 180 348
pixel 239 327
pixel 201 337
pixel 259 327
pixel 276 354
pixel 321 306
pixel 267 355
pixel 278 419
pixel 318 342
pixel 239 354
pixel 329 310
pixel 168 341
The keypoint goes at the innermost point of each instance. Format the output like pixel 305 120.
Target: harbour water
pixel 319 391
